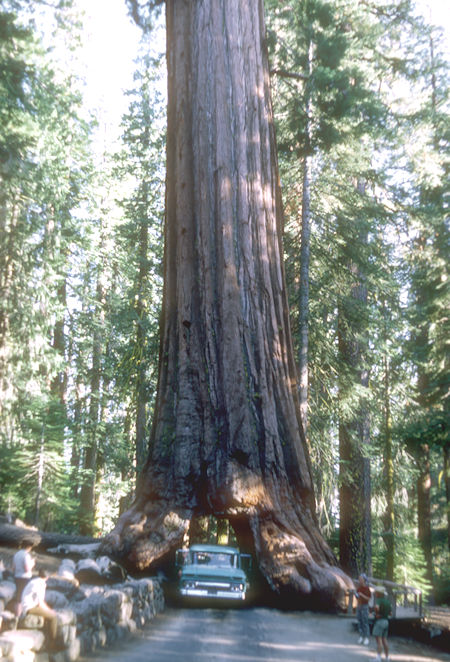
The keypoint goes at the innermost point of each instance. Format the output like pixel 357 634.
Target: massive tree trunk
pixel 227 439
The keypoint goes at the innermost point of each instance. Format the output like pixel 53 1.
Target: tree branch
pixel 288 74
pixel 137 8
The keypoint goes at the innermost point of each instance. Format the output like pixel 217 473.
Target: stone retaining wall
pixel 89 617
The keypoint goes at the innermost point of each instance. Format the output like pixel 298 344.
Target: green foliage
pixel 442 582
pixel 377 177
pixel 410 566
pixel 34 473
pixel 315 41
pixel 43 143
pixel 145 12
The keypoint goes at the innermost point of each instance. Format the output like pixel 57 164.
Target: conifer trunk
pixel 422 449
pixel 88 501
pixel 355 550
pixel 424 506
pixel 305 249
pixel 303 314
pixel 9 219
pixel 227 439
pixel 141 310
pixel 446 453
pixel 389 517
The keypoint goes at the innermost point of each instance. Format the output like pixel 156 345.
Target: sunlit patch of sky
pixel 109 49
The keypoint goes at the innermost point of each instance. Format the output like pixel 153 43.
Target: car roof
pixel 218 549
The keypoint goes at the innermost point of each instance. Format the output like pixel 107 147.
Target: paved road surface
pixel 255 635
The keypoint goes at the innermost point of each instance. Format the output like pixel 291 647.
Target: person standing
pixel 381 627
pixel 363 595
pixel 22 567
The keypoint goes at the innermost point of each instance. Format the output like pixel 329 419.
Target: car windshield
pixel 219 559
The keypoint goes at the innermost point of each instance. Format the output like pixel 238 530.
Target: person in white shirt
pixel 33 602
pixel 22 567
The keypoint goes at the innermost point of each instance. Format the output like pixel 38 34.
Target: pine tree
pixel 44 138
pixel 140 163
pixel 429 287
pixel 318 40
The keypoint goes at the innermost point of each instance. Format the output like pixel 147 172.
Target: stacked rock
pixel 90 616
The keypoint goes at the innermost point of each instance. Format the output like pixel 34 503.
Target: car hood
pixel 212 572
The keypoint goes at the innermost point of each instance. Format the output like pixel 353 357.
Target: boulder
pixel 116 607
pixel 21 656
pixel 99 638
pixel 67 617
pixel 66 634
pixel 56 599
pixel 64 585
pixel 85 639
pixel 132 626
pixel 88 572
pixel 41 657
pixel 67 569
pixel 8 619
pixel 16 641
pixel 87 612
pixel 7 590
pixel 110 569
pixel 31 622
pixel 99 571
pixel 73 650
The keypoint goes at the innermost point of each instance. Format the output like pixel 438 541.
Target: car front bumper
pixel 212 593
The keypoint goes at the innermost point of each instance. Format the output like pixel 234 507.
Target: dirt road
pixel 255 635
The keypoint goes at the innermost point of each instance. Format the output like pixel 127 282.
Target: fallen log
pixel 80 551
pixel 13 536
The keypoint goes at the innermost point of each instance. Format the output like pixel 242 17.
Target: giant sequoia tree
pixel 227 438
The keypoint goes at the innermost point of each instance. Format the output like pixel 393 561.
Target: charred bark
pixel 227 438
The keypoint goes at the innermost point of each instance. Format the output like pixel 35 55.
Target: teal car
pixel 212 572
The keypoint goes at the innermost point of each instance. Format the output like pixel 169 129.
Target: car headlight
pixel 188 584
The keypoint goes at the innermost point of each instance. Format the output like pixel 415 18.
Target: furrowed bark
pixel 227 438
